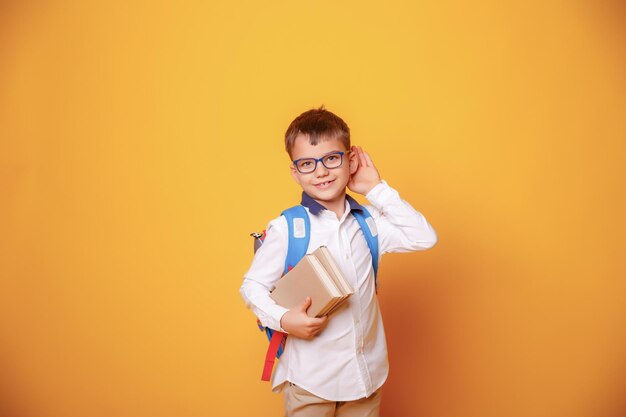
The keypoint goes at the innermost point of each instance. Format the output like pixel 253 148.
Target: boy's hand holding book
pixel 319 281
pixel 297 323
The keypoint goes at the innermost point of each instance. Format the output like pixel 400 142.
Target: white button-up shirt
pixel 348 359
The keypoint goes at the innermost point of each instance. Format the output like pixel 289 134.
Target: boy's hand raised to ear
pixel 297 323
pixel 366 175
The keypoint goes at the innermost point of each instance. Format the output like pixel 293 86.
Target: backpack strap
pixel 299 227
pixel 299 235
pixel 275 349
pixel 368 227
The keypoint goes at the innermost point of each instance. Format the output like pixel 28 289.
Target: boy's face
pixel 324 185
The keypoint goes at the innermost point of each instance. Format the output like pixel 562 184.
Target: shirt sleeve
pixel 400 227
pixel 266 269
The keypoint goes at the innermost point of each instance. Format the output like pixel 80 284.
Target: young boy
pixel 333 366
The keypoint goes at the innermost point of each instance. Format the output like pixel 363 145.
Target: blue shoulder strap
pixel 371 236
pixel 299 227
pixel 299 235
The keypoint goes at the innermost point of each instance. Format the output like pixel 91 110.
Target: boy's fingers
pixel 324 324
pixel 306 304
pixel 321 327
pixel 316 321
pixel 368 159
pixel 362 157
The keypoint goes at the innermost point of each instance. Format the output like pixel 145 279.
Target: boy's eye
pixel 332 157
pixel 305 164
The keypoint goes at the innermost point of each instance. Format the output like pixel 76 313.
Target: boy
pixel 333 366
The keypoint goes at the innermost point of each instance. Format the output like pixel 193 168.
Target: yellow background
pixel 141 142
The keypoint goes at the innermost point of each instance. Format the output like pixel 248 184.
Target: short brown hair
pixel 317 125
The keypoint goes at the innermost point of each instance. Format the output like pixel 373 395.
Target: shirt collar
pixel 315 207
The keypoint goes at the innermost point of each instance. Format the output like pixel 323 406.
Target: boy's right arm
pixel 266 269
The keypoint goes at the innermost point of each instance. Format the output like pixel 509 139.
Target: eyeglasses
pixel 330 161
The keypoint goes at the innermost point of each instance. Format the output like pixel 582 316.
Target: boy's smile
pixel 324 185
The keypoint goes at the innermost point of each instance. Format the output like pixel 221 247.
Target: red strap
pixel 270 357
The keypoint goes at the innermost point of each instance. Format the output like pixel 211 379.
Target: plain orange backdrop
pixel 141 142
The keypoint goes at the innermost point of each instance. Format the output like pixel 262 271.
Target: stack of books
pixel 317 276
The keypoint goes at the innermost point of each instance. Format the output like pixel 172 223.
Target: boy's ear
pixel 294 173
pixel 354 162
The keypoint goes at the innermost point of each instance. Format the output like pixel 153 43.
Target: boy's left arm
pixel 401 228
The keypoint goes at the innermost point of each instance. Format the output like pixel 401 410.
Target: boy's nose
pixel 321 170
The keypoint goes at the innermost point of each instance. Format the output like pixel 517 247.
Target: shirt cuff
pixel 381 194
pixel 274 317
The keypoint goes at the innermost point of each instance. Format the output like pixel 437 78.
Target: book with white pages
pixel 317 276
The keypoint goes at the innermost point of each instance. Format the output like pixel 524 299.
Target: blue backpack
pixel 298 221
